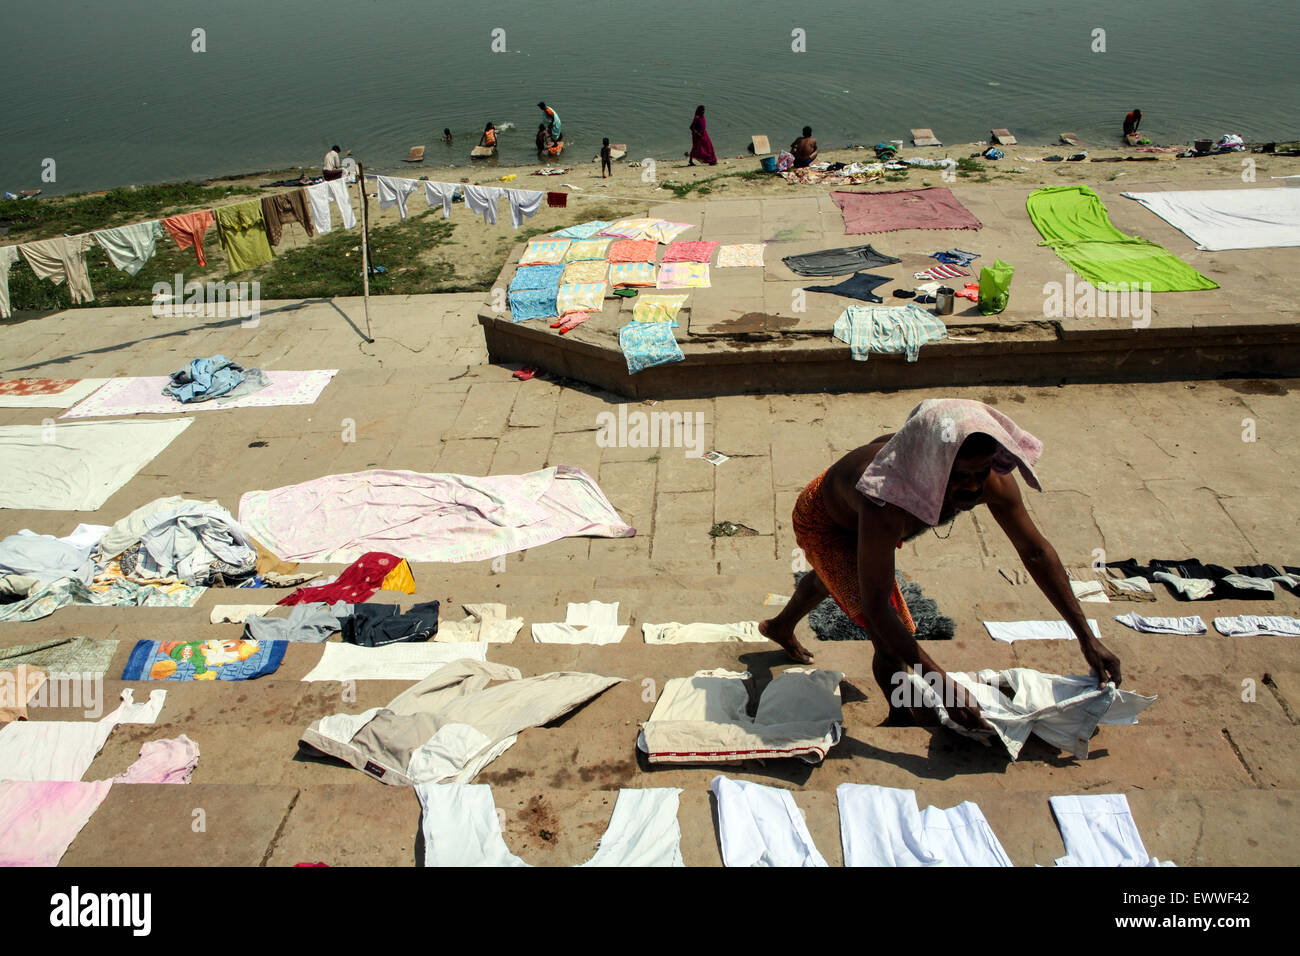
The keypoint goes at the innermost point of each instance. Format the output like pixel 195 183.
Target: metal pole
pixel 365 249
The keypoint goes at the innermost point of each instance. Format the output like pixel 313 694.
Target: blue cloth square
pixel 534 304
pixel 647 344
pixel 536 277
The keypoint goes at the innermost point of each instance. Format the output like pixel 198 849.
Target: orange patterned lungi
pixel 833 553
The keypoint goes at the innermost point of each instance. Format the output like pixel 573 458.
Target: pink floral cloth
pixel 690 252
pixel 428 517
pixel 913 469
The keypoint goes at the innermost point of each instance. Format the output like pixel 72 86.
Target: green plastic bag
pixel 995 287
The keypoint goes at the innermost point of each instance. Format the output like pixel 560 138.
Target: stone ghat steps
pixel 365 823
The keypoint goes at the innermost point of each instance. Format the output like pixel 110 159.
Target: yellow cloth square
pixel 658 308
pixel 590 270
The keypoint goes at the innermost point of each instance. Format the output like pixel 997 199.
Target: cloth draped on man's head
pixel 913 469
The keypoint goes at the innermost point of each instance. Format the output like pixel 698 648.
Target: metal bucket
pixel 944 298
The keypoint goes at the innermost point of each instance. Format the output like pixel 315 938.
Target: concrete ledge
pixel 1027 352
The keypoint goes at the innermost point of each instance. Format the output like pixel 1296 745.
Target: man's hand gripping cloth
pixel 913 469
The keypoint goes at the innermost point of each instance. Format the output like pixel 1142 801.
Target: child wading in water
pixel 606 163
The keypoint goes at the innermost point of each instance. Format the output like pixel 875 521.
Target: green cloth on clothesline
pixel 241 228
pixel 1072 220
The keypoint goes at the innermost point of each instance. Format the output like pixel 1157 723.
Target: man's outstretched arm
pixel 1002 495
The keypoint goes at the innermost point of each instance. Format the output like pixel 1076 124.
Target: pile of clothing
pixel 204 379
pixel 197 543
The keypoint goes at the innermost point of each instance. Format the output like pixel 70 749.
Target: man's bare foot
pixel 787 640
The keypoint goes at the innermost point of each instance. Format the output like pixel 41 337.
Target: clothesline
pixel 245 234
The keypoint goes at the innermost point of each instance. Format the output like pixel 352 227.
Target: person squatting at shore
pixel 949 456
pixel 332 167
pixel 804 149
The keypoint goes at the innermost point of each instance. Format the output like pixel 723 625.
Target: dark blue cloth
pixel 857 286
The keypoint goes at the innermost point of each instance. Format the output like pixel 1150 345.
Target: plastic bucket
pixel 1203 145
pixel 944 299
pixel 768 163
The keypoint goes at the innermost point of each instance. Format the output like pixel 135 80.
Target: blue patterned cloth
pixel 955 257
pixel 203 660
pixel 204 379
pixel 536 277
pixel 582 231
pixel 534 304
pixel 647 344
pixel 899 328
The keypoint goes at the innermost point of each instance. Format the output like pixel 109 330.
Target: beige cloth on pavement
pixel 702 719
pixel 453 723
pixel 485 623
pixel 701 633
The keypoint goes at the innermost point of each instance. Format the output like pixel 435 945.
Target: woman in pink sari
pixel 701 145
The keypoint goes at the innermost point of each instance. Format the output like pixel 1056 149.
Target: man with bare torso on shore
pixel 949 456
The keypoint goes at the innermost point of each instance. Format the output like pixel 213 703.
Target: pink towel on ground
pixel 163 761
pixel 934 208
pixel 913 469
pixel 632 250
pixel 39 819
pixel 690 252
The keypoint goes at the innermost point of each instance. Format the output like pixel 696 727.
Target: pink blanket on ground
pixel 913 469
pixel 934 208
pixel 143 395
pixel 428 517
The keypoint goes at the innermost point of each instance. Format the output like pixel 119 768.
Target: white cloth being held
pixel 1062 710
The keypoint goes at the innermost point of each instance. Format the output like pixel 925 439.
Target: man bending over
pixel 950 456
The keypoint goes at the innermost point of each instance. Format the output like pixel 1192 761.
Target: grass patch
pixel 967 166
pixel 331 264
pixel 701 186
